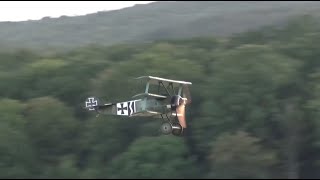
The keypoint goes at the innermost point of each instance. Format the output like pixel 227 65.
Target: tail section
pixel 92 103
pixel 126 108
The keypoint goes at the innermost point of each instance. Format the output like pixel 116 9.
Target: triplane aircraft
pixel 169 105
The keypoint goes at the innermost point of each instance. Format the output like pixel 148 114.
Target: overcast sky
pixel 35 10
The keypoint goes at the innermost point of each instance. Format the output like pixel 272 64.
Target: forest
pixel 254 112
pixel 155 21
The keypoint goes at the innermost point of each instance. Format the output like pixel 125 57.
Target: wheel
pixel 166 128
pixel 177 129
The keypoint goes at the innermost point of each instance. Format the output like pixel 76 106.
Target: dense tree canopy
pixel 254 114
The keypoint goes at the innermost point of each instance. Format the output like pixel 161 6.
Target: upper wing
pixel 155 81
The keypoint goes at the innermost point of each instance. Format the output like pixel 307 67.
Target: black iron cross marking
pixel 122 108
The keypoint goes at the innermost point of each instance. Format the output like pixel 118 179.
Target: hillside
pixel 158 20
pixel 255 109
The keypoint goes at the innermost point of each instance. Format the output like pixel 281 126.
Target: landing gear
pixel 166 128
pixel 171 124
pixel 177 129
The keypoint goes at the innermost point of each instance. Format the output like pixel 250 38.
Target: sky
pixel 35 10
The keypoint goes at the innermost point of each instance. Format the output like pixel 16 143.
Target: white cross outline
pixel 92 102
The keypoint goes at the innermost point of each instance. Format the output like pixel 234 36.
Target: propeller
pixel 181 113
pixel 178 104
pixel 186 94
pixel 181 108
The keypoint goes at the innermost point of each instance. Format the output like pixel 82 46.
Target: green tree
pixel 154 157
pixel 17 156
pixel 241 156
pixel 51 127
pixel 242 91
pixel 104 138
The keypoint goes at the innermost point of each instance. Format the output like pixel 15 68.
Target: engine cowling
pixel 175 102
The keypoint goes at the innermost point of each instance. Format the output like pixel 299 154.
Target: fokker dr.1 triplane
pixel 168 102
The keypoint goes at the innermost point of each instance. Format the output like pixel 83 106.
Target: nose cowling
pixel 175 102
pixel 178 105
